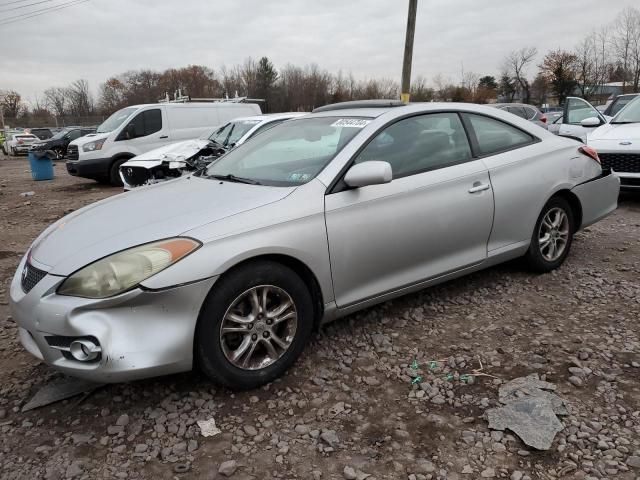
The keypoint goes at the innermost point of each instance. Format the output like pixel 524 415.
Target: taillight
pixel 589 152
pixel 543 119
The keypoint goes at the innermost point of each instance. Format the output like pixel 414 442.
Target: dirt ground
pixel 349 408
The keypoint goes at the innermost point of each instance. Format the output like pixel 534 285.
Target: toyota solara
pixel 232 269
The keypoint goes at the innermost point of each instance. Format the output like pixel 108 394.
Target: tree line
pixel 608 54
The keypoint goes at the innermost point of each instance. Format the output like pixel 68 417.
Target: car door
pixel 575 111
pixel 434 217
pixel 146 131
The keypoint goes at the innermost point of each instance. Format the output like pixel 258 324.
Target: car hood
pixel 629 131
pixel 174 151
pixel 144 215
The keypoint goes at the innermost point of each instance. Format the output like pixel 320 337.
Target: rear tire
pixel 242 338
pixel 552 236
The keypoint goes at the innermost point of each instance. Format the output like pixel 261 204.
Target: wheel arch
pixel 574 203
pixel 298 266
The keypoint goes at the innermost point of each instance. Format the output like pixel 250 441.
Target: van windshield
pixel 115 120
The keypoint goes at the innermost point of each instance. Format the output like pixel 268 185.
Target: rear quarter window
pixel 494 136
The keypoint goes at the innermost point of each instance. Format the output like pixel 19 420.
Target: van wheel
pixel 552 236
pixel 114 172
pixel 253 325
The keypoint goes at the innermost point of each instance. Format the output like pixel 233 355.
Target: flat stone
pixel 633 461
pixel 488 473
pixel 349 473
pixel 531 418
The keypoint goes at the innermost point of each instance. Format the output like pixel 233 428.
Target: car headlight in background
pixel 124 270
pixel 92 146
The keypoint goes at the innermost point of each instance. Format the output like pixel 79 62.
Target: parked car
pixel 60 141
pixel 41 133
pixel 137 129
pixel 176 159
pixel 528 112
pixel 617 142
pixel 18 143
pixel 315 218
pixel 616 105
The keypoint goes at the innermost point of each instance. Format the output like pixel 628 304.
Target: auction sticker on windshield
pixel 351 122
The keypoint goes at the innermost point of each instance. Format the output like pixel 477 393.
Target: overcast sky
pixel 100 38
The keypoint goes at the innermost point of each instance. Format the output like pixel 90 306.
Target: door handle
pixel 479 187
pixel 164 136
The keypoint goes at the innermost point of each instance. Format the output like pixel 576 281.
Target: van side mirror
pixel 130 131
pixel 372 172
pixel 591 122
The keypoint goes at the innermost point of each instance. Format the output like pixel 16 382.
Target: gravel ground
pixel 350 408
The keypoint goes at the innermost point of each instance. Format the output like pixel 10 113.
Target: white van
pixel 137 129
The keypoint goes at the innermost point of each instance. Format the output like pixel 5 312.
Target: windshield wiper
pixel 232 178
pixel 621 123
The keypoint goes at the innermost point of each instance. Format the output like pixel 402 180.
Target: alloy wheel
pixel 259 327
pixel 553 234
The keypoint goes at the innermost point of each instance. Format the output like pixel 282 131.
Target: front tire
pixel 552 236
pixel 253 325
pixel 114 172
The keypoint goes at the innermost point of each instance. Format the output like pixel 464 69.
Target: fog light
pixel 84 350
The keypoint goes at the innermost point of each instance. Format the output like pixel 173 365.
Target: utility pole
pixel 408 51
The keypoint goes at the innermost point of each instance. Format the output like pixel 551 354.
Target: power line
pixel 25 6
pixel 36 13
pixel 11 3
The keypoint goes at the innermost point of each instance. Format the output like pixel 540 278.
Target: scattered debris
pixel 530 411
pixel 60 389
pixel 27 194
pixel 208 427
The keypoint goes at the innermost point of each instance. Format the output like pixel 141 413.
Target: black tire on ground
pixel 208 345
pixel 534 256
pixel 114 172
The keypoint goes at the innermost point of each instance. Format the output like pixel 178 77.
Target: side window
pixel 152 121
pixel 577 110
pixel 418 144
pixel 495 136
pixel 73 134
pixel 145 123
pixel 519 111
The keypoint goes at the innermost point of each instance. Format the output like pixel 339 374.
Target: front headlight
pixel 92 146
pixel 124 270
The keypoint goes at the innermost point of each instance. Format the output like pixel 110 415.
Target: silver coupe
pixel 323 215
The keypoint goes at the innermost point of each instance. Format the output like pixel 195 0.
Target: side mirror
pixel 130 131
pixel 591 122
pixel 368 173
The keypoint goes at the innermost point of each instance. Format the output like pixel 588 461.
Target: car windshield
pixel 115 120
pixel 288 154
pixel 230 133
pixel 630 113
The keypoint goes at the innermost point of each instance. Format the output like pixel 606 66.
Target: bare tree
pixel 624 39
pixel 516 64
pixel 79 99
pixel 56 99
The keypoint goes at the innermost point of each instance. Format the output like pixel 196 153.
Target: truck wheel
pixel 114 172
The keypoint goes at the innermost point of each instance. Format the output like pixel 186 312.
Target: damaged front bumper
pixel 138 334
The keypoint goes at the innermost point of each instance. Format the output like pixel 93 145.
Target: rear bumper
pixel 598 197
pixel 95 168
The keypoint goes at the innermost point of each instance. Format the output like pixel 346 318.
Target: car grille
pixel 135 176
pixel 621 162
pixel 30 277
pixel 72 152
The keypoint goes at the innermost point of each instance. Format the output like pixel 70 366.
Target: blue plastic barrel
pixel 41 166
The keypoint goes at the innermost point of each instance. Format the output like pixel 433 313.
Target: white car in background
pixel 616 141
pixel 172 160
pixel 18 143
